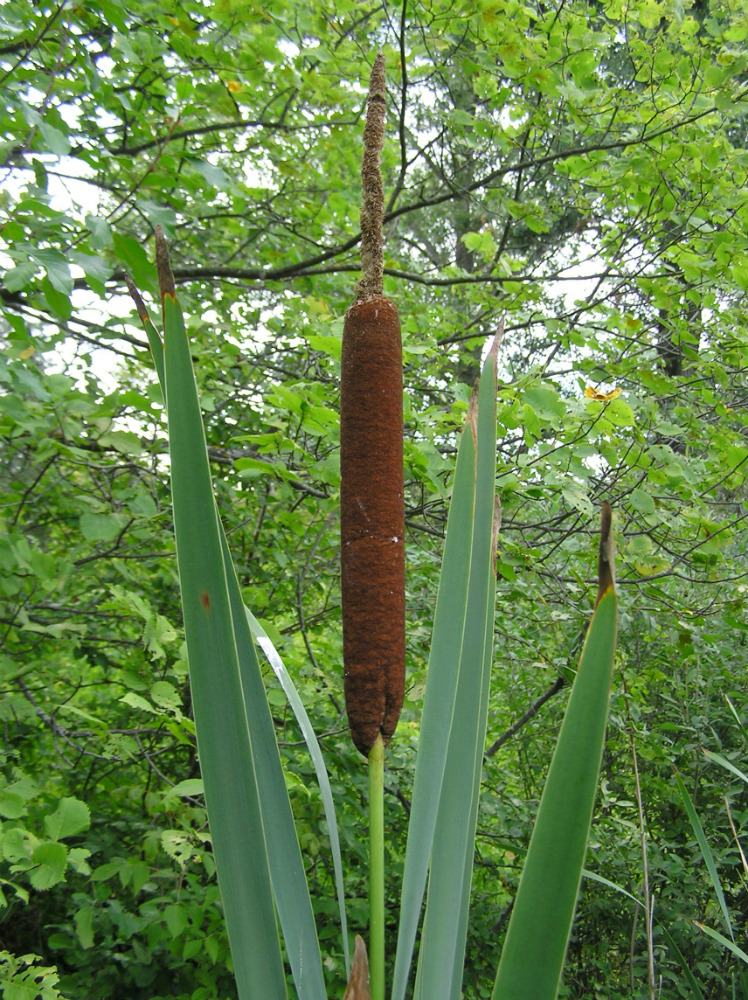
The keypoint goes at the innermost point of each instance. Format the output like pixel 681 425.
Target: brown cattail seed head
pixel 372 520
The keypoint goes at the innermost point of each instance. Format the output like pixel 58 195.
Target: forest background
pixel 578 168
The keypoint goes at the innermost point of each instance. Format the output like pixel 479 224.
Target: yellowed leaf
pixel 603 397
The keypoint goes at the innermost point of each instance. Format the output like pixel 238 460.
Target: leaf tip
pixel 606 570
pixel 137 299
pixel 358 984
pixel 163 267
pixel 496 344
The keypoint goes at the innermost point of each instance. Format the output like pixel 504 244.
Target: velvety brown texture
pixel 372 520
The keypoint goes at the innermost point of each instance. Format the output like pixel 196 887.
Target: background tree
pixel 578 168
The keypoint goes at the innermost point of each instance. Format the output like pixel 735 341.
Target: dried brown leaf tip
pixel 493 352
pixel 163 267
pixel 606 570
pixel 358 984
pixel 137 299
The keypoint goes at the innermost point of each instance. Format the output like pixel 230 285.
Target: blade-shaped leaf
pixel 533 955
pixel 721 939
pixel 442 948
pixel 728 765
pixel 706 853
pixel 315 752
pixel 283 854
pixel 687 974
pixel 438 706
pixel 287 875
pixel 222 736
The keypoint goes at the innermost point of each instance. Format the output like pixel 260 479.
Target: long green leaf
pixel 728 765
pixel 687 974
pixel 223 740
pixel 288 878
pixel 730 945
pixel 315 751
pixel 741 727
pixel 438 706
pixel 705 852
pixel 442 947
pixel 533 955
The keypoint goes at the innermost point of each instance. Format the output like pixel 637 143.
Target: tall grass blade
pixel 279 850
pixel 728 765
pixel 672 946
pixel 683 962
pixel 223 740
pixel 721 939
pixel 533 955
pixel 315 752
pixel 442 947
pixel 706 853
pixel 741 727
pixel 438 707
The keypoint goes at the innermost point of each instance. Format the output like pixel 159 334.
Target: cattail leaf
pixel 285 863
pixel 533 955
pixel 442 949
pixel 706 852
pixel 315 752
pixel 283 855
pixel 438 707
pixel 466 597
pixel 222 736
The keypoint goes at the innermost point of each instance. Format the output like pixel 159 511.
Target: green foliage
pixel 531 146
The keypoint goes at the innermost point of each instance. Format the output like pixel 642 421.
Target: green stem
pixel 376 870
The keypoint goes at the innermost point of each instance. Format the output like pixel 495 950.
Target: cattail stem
pixel 376 870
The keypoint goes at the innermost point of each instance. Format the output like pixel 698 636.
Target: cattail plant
pixel 260 866
pixel 372 513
